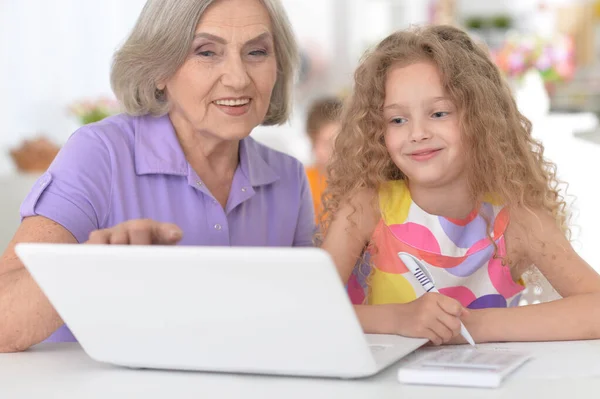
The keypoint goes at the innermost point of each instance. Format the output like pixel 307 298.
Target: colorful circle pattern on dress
pixel 466 235
pixel 390 288
pixel 462 294
pixel 416 235
pixel 355 291
pixel 395 204
pixel 488 301
pixel 472 263
pixel 407 229
pixel 385 255
pixel 465 221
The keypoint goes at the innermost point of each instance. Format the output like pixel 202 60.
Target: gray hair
pixel 160 43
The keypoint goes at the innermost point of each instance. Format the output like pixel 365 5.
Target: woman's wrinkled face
pixel 224 87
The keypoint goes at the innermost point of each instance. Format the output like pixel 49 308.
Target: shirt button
pixel 215 202
pixel 243 189
pixel 217 226
pixel 199 183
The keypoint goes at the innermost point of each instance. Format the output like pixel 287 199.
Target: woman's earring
pixel 159 94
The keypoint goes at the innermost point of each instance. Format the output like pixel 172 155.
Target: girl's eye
pixel 398 121
pixel 440 114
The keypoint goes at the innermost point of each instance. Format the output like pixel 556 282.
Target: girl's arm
pixel 349 232
pixel 537 240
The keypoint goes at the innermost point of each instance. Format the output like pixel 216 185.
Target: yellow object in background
pixel 578 21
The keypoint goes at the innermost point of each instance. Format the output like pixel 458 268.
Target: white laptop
pixel 221 309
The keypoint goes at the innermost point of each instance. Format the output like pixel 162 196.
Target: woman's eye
pixel 259 53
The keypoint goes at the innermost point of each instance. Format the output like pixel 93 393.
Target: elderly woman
pixel 195 77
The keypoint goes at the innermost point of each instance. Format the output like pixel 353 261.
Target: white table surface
pixel 559 370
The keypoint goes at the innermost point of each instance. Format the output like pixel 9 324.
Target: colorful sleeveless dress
pixel 457 253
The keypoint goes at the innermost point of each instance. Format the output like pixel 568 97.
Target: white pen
pixel 422 275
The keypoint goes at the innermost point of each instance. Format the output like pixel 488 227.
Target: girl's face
pixel 422 126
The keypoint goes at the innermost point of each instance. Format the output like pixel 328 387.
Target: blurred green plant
pixel 475 23
pixel 90 111
pixel 500 21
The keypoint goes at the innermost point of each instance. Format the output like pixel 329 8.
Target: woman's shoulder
pixel 102 141
pixel 95 144
pixel 113 130
pixel 126 137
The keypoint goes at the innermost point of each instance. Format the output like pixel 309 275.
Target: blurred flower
pixel 88 111
pixel 553 57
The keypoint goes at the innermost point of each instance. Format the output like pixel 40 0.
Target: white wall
pixel 55 52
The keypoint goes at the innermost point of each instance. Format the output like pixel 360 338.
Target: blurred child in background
pixel 322 125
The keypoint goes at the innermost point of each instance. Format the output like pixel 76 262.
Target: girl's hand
pixel 433 316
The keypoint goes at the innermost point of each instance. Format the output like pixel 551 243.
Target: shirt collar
pixel 157 151
pixel 254 165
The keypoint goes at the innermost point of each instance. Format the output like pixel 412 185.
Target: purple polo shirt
pixel 127 167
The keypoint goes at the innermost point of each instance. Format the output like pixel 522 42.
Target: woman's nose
pixel 235 74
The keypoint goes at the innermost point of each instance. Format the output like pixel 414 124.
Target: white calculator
pixel 466 367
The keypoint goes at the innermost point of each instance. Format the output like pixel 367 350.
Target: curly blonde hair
pixel 503 158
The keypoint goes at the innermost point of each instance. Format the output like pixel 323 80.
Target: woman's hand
pixel 433 316
pixel 138 232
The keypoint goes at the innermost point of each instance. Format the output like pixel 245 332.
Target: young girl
pixel 434 159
